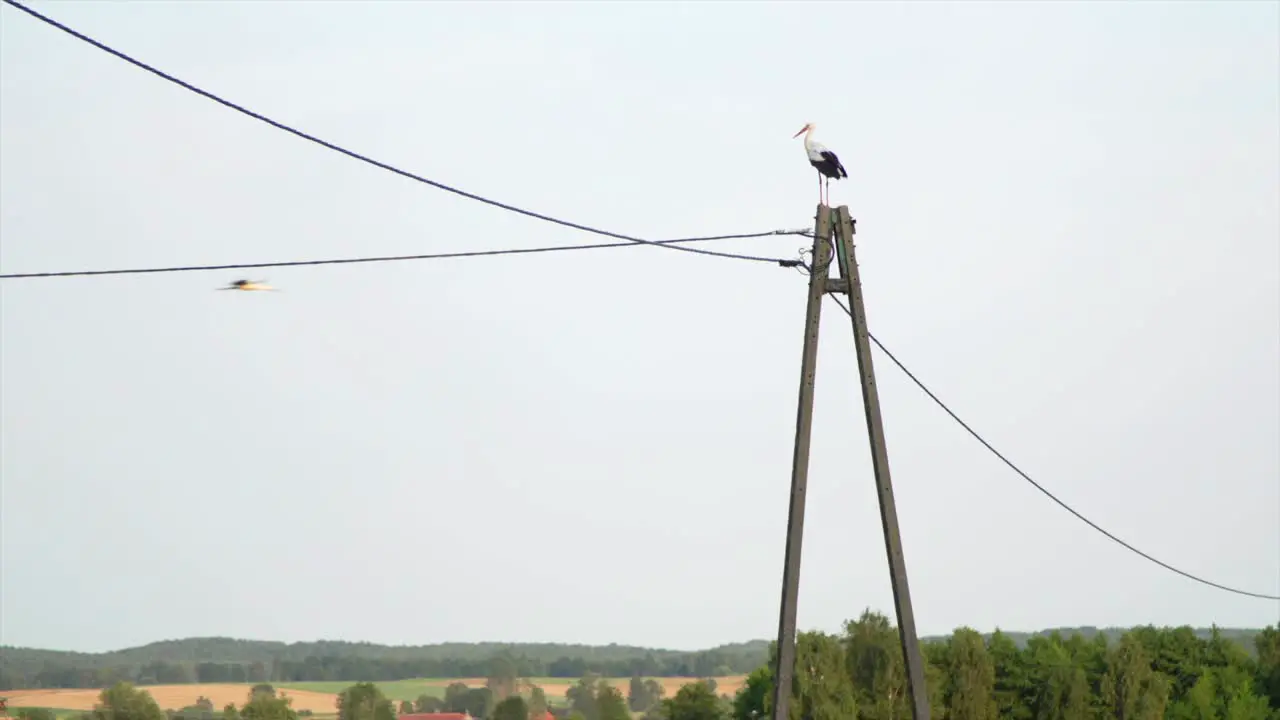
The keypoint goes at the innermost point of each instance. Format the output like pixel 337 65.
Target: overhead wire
pixel 377 163
pixel 1021 473
pixel 393 258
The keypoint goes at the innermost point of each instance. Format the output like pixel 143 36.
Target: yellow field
pixel 170 697
pixel 173 697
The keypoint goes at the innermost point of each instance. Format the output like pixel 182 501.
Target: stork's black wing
pixel 834 162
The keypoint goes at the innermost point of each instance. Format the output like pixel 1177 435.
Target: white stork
pixel 249 285
pixel 822 159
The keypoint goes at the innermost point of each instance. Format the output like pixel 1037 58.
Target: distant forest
pixel 216 660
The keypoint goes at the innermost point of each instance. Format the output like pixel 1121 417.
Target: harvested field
pixel 173 697
pixel 169 697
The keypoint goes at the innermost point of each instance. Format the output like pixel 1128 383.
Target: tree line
pixel 208 660
pixel 1146 673
pixel 226 660
pixel 39 669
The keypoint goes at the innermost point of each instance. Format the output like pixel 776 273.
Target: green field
pixel 59 713
pixel 412 689
pixel 393 689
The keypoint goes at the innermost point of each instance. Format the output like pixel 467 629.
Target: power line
pixel 365 159
pixel 397 258
pixel 976 436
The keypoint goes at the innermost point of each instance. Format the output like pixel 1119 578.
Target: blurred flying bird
pixel 249 285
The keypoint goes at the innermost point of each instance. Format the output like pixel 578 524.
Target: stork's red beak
pixel 803 130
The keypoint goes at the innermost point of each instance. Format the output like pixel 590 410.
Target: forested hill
pixel 208 660
pixel 231 660
pixel 230 650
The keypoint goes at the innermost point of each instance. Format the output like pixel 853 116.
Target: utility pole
pixel 785 668
pixel 820 283
pixel 851 285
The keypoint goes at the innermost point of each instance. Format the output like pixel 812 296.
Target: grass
pixel 411 690
pixel 59 713
pixel 393 689
pixel 398 690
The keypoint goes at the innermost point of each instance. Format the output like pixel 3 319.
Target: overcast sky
pixel 1069 227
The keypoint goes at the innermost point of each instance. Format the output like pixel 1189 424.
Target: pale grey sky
pixel 1069 225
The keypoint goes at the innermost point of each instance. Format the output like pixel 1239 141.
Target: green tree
pixel 159 672
pixel 476 702
pixel 537 702
pixel 1059 689
pixel 27 713
pixel 640 696
pixel 364 701
pixel 971 678
pixel 822 686
pixel 874 658
pixel 1223 692
pixel 457 696
pixel 610 704
pixel 1131 689
pixel 1012 686
pixel 124 701
pixel 263 689
pixel 1200 702
pixel 752 700
pixel 1175 653
pixel 694 701
pixel 1091 656
pixel 582 697
pixel 1243 704
pixel 202 710
pixel 1267 646
pixel 504 676
pixel 429 704
pixel 512 708
pixel 229 712
pixel 262 706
